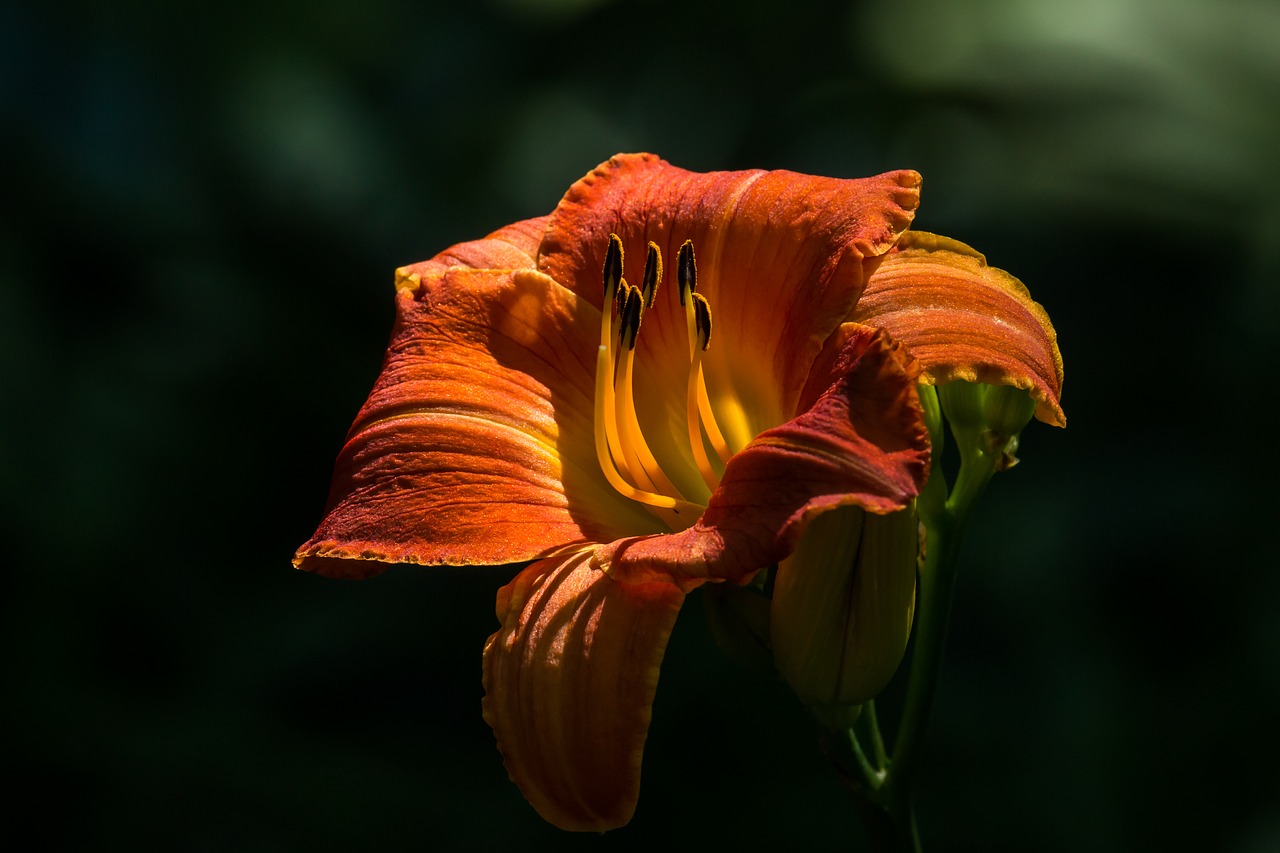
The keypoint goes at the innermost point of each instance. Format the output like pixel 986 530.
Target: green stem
pixel 872 777
pixel 944 526
pixel 888 808
pixel 884 786
pixel 872 726
pixel 937 583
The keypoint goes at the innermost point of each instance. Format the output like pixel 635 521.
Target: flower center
pixel 624 455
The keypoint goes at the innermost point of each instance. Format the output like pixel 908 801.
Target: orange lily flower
pixel 536 406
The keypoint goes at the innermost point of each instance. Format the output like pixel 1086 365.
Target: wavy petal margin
pixel 781 258
pixel 512 247
pixel 965 320
pixel 475 446
pixel 569 684
pixel 860 439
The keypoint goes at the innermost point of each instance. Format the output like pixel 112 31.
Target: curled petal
pixel 569 683
pixel 781 258
pixel 965 320
pixel 475 446
pixel 512 247
pixel 860 439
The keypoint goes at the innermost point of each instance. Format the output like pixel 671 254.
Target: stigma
pixel 624 454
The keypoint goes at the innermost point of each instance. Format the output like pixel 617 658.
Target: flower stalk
pixel 884 784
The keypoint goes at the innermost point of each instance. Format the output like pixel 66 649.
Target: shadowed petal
pixel 512 247
pixel 860 439
pixel 781 257
pixel 965 320
pixel 569 683
pixel 476 444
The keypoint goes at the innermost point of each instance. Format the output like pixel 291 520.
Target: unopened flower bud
pixel 842 606
pixel 1007 410
pixel 987 419
pixel 962 403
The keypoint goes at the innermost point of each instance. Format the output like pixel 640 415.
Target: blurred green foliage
pixel 202 209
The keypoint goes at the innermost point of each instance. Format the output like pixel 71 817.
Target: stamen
pixel 687 279
pixel 648 473
pixel 702 320
pixel 623 455
pixel 622 414
pixel 686 270
pixel 603 437
pixel 612 267
pixel 613 286
pixel 640 461
pixel 612 281
pixel 630 313
pixel 652 274
pixel 703 335
pixel 697 315
pixel 606 427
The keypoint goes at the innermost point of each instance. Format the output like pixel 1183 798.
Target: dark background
pixel 202 207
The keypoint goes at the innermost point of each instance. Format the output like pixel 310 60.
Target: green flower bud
pixel 986 420
pixel 1007 410
pixel 962 403
pixel 842 607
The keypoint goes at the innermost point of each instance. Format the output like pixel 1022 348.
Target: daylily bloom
pixel 535 405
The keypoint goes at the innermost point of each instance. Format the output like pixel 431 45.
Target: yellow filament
pixel 640 460
pixel 732 421
pixel 622 405
pixel 606 431
pixel 606 344
pixel 606 325
pixel 709 475
pixel 691 324
pixel 716 437
pixel 698 382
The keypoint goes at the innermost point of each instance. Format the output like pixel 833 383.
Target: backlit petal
pixel 860 439
pixel 475 446
pixel 512 247
pixel 781 257
pixel 569 682
pixel 965 320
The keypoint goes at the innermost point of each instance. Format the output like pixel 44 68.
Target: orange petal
pixel 512 247
pixel 781 257
pixel 476 444
pixel 569 682
pixel 860 440
pixel 965 320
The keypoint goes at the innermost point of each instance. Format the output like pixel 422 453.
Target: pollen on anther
pixel 652 274
pixel 686 270
pixel 612 267
pixel 630 312
pixel 702 319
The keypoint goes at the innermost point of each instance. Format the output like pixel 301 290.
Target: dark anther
pixel 612 267
pixel 652 274
pixel 631 313
pixel 686 270
pixel 702 319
